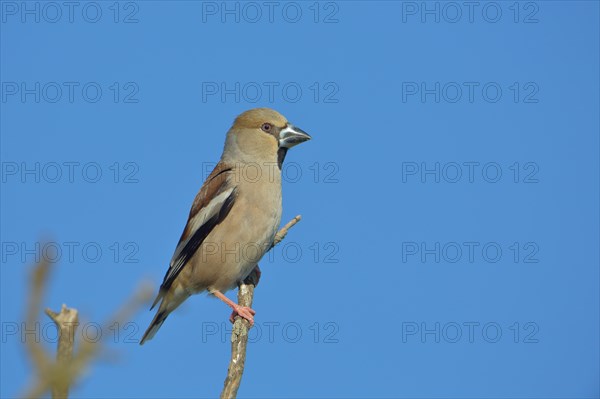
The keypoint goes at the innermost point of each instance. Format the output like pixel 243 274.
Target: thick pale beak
pixel 291 136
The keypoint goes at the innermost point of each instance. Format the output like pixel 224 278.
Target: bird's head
pixel 263 133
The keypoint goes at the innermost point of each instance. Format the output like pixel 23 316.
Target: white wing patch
pixel 210 210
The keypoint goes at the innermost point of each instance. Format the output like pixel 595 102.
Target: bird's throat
pixel 281 152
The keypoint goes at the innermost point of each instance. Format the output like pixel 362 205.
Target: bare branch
pixel 66 321
pixel 89 350
pixel 40 360
pixel 58 376
pixel 241 326
pixel 284 230
pixel 39 275
pixel 239 341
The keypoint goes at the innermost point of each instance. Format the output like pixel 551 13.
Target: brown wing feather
pixel 215 183
pixel 193 236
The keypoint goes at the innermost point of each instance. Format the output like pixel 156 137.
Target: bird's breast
pixel 235 246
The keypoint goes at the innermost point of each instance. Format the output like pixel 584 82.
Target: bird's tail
pixel 168 303
pixel 158 320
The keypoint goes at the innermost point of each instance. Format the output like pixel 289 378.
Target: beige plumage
pixel 234 217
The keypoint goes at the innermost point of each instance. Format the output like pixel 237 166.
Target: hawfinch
pixel 234 217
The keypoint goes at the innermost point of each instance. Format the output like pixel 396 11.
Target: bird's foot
pixel 244 312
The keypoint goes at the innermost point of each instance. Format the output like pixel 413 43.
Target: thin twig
pixel 284 230
pixel 41 362
pixel 241 326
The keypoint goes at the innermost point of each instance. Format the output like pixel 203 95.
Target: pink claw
pixel 244 312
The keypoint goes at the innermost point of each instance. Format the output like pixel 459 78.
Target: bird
pixel 234 217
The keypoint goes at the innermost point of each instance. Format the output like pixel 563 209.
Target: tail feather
pixel 158 320
pixel 161 294
pixel 169 303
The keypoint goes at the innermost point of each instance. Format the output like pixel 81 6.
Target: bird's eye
pixel 266 127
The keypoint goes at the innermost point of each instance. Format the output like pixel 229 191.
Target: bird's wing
pixel 210 207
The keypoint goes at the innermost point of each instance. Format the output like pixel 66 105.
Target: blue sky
pixel 449 241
